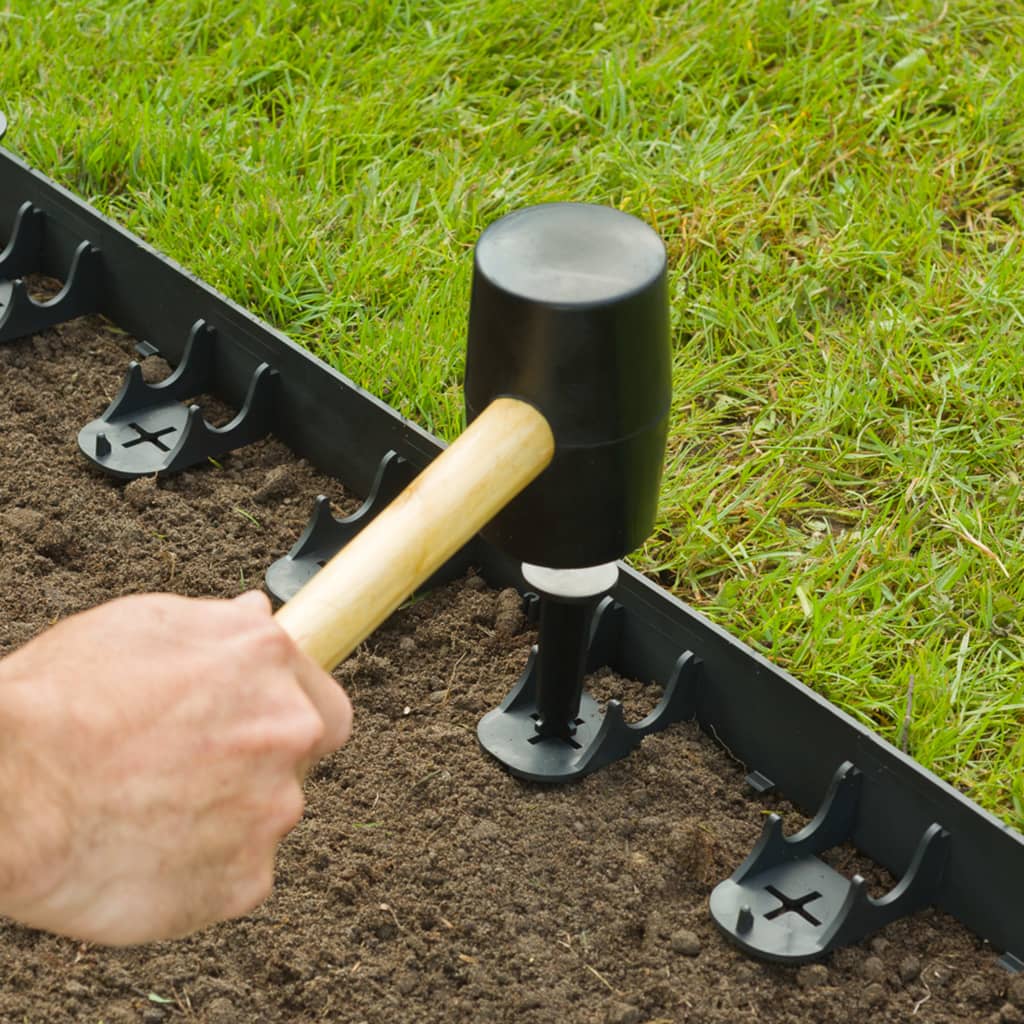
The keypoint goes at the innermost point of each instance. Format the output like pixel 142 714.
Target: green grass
pixel 839 186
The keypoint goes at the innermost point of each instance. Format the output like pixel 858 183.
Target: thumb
pixel 254 600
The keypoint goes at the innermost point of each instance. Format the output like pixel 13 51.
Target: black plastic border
pixel 761 714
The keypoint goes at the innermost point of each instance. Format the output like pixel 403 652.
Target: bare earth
pixel 424 884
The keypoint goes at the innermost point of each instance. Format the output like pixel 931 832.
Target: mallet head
pixel 569 312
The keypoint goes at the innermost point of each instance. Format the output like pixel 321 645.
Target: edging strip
pixel 785 734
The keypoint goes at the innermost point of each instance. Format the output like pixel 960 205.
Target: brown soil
pixel 424 883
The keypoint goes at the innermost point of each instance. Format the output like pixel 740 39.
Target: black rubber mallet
pixel 568 387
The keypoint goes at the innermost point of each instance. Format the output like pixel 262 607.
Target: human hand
pixel 152 757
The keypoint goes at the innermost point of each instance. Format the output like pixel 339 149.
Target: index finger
pixel 330 700
pixel 325 694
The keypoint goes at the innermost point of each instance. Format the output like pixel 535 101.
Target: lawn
pixel 839 186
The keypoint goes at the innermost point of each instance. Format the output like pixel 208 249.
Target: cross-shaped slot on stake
pixel 565 739
pixel 794 904
pixel 152 436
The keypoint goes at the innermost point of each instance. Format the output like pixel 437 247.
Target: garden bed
pixel 424 884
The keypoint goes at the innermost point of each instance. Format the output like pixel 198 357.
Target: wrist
pixel 35 837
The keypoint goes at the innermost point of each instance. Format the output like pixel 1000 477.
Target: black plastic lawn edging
pixel 947 850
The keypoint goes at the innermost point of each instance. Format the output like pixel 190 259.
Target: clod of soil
pixel 424 884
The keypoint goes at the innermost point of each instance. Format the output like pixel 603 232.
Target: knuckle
pixel 300 728
pixel 282 733
pixel 250 891
pixel 342 730
pixel 311 731
pixel 288 810
pixel 272 644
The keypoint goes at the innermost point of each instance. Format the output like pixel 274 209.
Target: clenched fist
pixel 152 752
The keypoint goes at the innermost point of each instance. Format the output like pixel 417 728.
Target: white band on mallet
pixel 573 584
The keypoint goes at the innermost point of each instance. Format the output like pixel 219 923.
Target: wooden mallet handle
pixel 505 447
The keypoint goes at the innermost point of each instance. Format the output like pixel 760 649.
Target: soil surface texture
pixel 424 883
